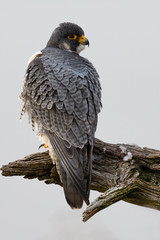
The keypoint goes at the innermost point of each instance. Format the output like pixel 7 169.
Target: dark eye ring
pixel 72 37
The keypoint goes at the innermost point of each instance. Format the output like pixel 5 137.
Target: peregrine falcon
pixel 62 96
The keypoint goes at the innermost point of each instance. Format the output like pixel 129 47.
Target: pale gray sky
pixel 125 49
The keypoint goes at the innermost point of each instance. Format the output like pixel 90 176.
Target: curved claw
pixel 42 145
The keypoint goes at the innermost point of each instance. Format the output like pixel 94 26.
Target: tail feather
pixel 74 199
pixel 72 194
pixel 75 171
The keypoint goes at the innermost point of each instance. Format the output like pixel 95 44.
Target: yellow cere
pixel 82 39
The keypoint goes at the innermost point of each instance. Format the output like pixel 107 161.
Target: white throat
pixel 80 48
pixel 66 46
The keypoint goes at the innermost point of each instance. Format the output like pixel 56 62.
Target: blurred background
pixel 125 49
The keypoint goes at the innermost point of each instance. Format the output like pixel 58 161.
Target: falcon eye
pixel 72 37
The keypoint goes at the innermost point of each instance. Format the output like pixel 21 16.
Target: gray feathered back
pixel 68 84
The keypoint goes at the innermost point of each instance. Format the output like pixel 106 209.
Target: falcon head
pixel 68 36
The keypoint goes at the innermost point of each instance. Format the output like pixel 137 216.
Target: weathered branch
pixel 120 171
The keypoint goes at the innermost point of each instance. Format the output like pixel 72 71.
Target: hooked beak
pixel 83 40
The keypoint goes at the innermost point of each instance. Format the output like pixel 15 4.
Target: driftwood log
pixel 120 172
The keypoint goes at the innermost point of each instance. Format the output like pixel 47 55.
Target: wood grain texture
pixel 120 172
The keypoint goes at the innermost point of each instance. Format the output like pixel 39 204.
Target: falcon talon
pixel 62 96
pixel 43 145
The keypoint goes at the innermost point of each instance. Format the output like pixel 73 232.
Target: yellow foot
pixel 43 145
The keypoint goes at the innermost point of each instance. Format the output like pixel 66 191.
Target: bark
pixel 120 172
